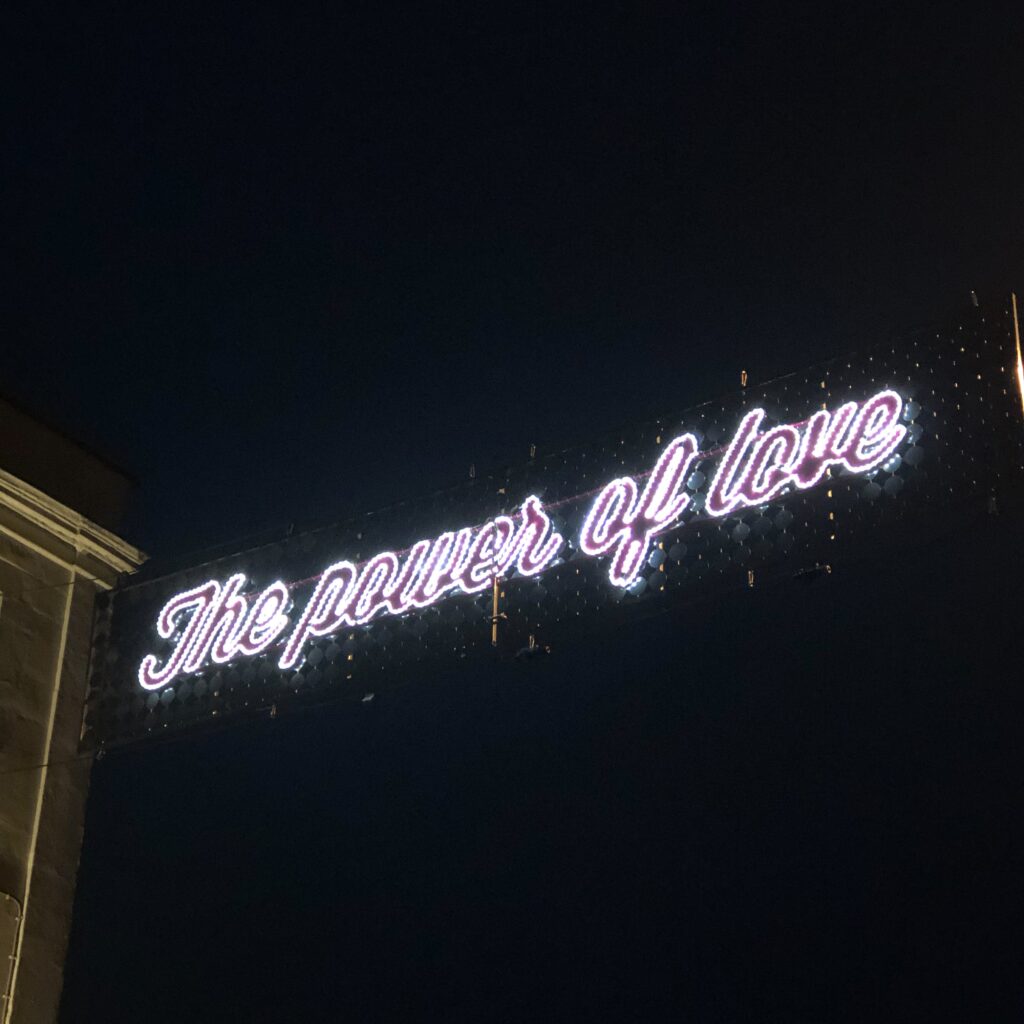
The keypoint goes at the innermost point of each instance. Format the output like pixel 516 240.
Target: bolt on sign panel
pixel 858 456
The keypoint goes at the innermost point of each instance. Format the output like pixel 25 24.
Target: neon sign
pixel 219 622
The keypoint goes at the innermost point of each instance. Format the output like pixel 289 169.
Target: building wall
pixel 53 561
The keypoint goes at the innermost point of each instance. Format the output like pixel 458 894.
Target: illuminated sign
pixel 855 458
pixel 218 622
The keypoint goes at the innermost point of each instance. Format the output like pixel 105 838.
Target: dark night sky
pixel 287 264
pixel 284 240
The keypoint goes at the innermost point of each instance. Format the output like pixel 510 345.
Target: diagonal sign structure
pixel 856 456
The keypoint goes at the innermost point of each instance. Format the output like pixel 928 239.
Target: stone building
pixel 58 505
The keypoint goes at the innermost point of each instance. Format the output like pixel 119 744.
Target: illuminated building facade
pixel 58 504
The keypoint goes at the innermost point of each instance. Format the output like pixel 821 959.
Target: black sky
pixel 283 264
pixel 289 238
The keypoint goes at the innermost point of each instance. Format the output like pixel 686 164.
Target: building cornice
pixel 62 534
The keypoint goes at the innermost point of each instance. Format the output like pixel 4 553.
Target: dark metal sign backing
pixel 785 478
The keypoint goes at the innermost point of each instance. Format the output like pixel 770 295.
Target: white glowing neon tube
pixel 219 622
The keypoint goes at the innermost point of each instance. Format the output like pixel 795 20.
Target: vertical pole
pixel 496 594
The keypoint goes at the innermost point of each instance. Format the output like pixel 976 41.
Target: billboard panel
pixel 857 455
